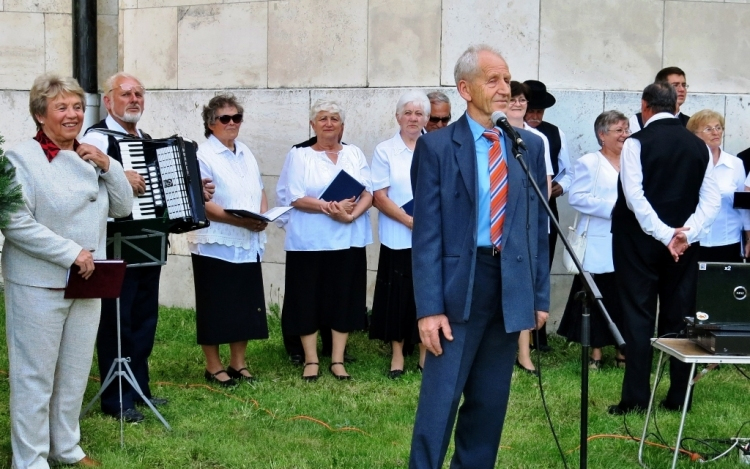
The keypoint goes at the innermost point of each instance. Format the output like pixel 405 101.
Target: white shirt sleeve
pixel 381 168
pixel 633 124
pixel 587 182
pixel 563 161
pixel 709 203
pixel 97 139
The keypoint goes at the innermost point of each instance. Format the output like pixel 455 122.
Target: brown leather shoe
pixel 88 462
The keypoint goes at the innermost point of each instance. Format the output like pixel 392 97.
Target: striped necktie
pixel 498 187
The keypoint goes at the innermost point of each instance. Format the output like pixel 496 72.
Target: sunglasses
pixel 237 118
pixel 444 120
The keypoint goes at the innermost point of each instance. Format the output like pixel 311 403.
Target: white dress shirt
pixel 547 159
pixel 631 175
pixel 563 162
pixel 594 193
pixel 309 172
pixel 391 169
pixel 100 140
pixel 729 173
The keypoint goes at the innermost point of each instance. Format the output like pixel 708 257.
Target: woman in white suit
pixel 593 194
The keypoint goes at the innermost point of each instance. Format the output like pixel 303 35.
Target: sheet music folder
pixel 267 217
pixel 105 282
pixel 342 187
pixel 408 207
pixel 741 200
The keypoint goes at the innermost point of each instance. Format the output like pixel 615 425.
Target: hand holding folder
pixel 105 282
pixel 342 187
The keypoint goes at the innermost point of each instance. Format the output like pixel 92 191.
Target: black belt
pixel 488 251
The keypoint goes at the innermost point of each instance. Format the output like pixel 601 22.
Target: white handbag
pixel 578 241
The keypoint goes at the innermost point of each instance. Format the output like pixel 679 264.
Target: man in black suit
pixel 675 77
pixel 667 196
pixel 745 157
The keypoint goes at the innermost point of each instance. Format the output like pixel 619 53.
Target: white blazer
pixel 594 196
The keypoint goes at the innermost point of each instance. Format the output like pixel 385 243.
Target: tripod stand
pixel 120 368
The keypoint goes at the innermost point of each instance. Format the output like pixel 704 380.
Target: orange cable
pixel 693 456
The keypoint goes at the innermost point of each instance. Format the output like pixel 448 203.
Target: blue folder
pixel 409 207
pixel 342 187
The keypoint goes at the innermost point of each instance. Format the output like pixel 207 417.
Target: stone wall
pixel 279 56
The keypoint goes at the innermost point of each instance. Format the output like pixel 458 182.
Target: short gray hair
pixel 326 105
pixel 467 66
pixel 47 87
pixel 414 96
pixel 438 97
pixel 219 101
pixel 110 82
pixel 606 119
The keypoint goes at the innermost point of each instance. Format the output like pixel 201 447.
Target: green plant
pixel 10 193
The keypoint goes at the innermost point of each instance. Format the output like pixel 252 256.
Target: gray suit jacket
pixel 66 204
pixel 444 238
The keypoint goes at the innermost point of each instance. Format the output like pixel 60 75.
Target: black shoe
pixel 237 374
pixel 297 360
pixel 666 405
pixel 211 378
pixel 617 409
pixel 155 401
pixel 129 415
pixel 521 367
pixel 393 374
pixel 310 377
pixel 338 377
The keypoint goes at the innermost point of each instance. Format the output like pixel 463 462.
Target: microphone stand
pixel 590 292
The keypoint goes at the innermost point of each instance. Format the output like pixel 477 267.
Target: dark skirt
pixel 570 324
pixel 325 290
pixel 230 305
pixel 728 253
pixel 394 313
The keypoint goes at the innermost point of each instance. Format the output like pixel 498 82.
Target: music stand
pixel 117 370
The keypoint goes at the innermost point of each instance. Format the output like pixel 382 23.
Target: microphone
pixel 501 120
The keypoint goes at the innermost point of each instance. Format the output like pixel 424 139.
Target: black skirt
pixel 727 253
pixel 230 305
pixel 394 313
pixel 570 324
pixel 325 290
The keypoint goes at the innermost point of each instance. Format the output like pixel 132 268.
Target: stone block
pixel 404 43
pixel 714 63
pixel 176 286
pixel 273 283
pixel 39 6
pixel 150 46
pixel 737 134
pixel 16 124
pixel 574 113
pixel 317 44
pixel 223 46
pixel 107 7
pixel 178 245
pixel 22 49
pixel 58 44
pixel 696 102
pixel 107 47
pixel 594 44
pixel 627 102
pixel 128 4
pixel 511 27
pixel 173 3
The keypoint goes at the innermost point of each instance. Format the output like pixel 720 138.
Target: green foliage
pixel 10 193
pixel 284 422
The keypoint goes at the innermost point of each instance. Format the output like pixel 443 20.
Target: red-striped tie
pixel 498 188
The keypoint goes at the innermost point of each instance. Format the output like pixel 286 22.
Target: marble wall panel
pixel 223 46
pixel 58 44
pixel 404 43
pixel 107 7
pixel 716 61
pixel 574 113
pixel 627 102
pixel 107 47
pixel 39 6
pixel 176 286
pixel 699 101
pixel 16 124
pixel 511 27
pixel 21 49
pixel 128 4
pixel 149 46
pixel 600 44
pixel 173 3
pixel 317 44
pixel 737 135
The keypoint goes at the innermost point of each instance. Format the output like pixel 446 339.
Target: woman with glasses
pixel 593 193
pixel 722 241
pixel 394 313
pixel 229 300
pixel 519 102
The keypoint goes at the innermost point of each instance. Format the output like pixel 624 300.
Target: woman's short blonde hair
pixel 47 87
pixel 700 120
pixel 326 105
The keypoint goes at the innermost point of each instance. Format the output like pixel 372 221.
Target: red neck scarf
pixel 49 147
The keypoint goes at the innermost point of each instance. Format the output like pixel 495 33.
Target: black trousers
pixel 645 272
pixel 139 312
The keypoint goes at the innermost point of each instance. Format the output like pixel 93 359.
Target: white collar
pixel 659 116
pixel 112 124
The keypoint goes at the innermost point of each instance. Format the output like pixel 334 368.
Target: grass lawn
pixel 283 422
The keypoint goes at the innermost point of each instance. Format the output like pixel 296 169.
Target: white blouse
pixel 729 173
pixel 594 196
pixel 391 168
pixel 238 185
pixel 309 172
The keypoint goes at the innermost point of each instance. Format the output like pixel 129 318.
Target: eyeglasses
pixel 620 131
pixel 520 101
pixel 680 85
pixel 444 120
pixel 138 90
pixel 708 130
pixel 237 118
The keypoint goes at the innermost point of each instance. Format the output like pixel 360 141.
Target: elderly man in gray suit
pixel 481 272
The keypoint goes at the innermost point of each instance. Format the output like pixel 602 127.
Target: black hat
pixel 539 98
